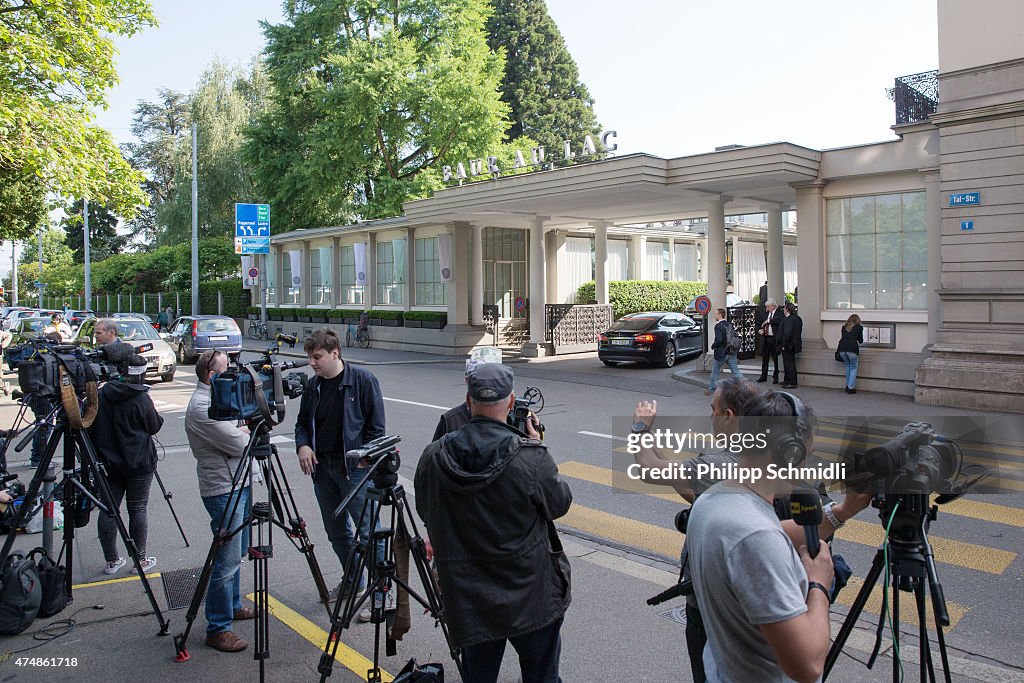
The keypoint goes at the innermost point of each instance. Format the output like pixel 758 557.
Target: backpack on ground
pixel 732 340
pixel 20 594
pixel 52 578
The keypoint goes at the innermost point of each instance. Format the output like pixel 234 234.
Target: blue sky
pixel 673 77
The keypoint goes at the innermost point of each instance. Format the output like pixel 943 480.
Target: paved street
pixel 623 545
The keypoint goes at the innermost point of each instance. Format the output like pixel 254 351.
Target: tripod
pixel 77 497
pixel 908 556
pixel 277 510
pixel 377 555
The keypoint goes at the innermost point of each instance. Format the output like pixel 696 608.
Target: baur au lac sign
pixel 489 166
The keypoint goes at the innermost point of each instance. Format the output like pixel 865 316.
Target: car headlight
pixel 167 357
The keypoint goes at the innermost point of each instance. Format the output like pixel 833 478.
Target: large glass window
pixel 351 293
pixel 877 252
pixel 391 272
pixel 320 276
pixel 505 270
pixel 430 291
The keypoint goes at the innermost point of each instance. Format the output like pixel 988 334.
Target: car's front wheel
pixel 670 355
pixel 169 377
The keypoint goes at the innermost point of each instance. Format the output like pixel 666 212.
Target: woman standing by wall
pixel 849 350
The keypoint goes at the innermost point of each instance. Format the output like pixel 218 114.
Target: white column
pixel 477 262
pixel 810 259
pixel 336 272
pixel 636 257
pixel 934 199
pixel 714 259
pixel 410 268
pixel 776 265
pixel 671 259
pixel 370 292
pixel 280 285
pixel 306 290
pixel 458 289
pixel 538 289
pixel 601 262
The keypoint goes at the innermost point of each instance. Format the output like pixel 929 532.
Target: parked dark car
pixel 76 318
pixel 138 333
pixel 657 338
pixel 143 316
pixel 190 335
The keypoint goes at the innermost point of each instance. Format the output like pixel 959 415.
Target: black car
pixel 657 337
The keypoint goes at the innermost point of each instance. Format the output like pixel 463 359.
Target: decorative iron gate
pixel 509 332
pixel 744 320
pixel 571 328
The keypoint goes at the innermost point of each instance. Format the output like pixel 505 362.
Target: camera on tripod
pixel 917 460
pixel 526 407
pixel 40 361
pixel 258 389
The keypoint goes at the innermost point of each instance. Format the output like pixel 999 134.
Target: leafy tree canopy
pixel 370 99
pixel 58 62
pixel 104 241
pixel 541 83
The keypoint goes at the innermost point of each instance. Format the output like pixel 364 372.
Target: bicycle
pixel 257 328
pixel 360 333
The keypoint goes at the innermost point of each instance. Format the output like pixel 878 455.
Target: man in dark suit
pixel 790 343
pixel 769 334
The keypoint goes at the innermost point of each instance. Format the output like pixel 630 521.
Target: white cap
pixel 481 355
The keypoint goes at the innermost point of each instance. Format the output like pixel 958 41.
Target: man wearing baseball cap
pixel 458 417
pixel 487 494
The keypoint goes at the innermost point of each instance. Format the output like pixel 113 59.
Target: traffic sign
pixel 520 303
pixel 252 245
pixel 703 305
pixel 254 273
pixel 252 220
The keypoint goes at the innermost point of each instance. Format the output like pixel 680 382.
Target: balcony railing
pixel 916 97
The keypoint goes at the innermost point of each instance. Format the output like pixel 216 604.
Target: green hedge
pixel 789 297
pixel 634 296
pixel 431 316
pixel 236 297
pixel 387 315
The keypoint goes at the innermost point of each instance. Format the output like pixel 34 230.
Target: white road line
pixel 414 403
pixel 281 438
pixel 603 436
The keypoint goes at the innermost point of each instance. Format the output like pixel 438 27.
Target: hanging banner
pixel 444 257
pixel 398 249
pixel 296 259
pixel 359 251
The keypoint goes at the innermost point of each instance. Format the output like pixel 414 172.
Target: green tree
pixel 22 203
pixel 369 100
pixel 56 252
pixel 104 241
pixel 541 84
pixel 161 153
pixel 58 63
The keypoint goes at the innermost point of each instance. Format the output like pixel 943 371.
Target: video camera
pixel 257 390
pixel 917 460
pixel 40 361
pixel 527 405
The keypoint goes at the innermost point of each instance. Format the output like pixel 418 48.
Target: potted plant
pixel 386 318
pixel 434 320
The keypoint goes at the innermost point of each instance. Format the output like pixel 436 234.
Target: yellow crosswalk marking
pixel 908 608
pixel 966 445
pixel 619 481
pixel 346 656
pixel 958 553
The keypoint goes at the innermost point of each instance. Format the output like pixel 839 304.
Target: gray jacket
pixel 217 446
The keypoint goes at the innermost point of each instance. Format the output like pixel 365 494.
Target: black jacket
pixel 362 409
pixel 851 341
pixel 721 340
pixel 452 420
pixel 775 320
pixel 790 332
pixel 123 429
pixel 486 494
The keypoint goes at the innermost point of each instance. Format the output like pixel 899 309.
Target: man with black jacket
pixel 790 344
pixel 341 409
pixel 488 494
pixel 122 435
pixel 769 333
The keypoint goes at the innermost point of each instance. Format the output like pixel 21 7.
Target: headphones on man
pixel 788 448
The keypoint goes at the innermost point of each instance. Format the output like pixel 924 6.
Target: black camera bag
pixel 414 672
pixel 52 578
pixel 21 593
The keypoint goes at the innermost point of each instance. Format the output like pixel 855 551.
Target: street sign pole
pixel 41 267
pixel 195 221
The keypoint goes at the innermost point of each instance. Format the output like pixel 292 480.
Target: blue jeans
pixel 851 360
pixel 223 597
pixel 716 367
pixel 332 485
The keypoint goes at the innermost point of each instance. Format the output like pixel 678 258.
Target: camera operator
pixel 728 404
pixel 488 494
pixel 218 447
pixel 122 434
pixel 341 409
pixel 758 596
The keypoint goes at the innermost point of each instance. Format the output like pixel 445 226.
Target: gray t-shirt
pixel 745 573
pixel 699 485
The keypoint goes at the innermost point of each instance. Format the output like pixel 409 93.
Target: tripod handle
pixel 939 603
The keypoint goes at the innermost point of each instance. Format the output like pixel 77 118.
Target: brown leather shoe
pixel 245 613
pixel 226 641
